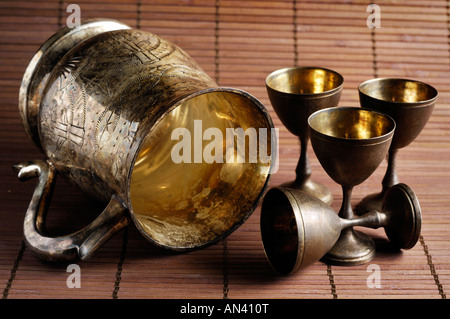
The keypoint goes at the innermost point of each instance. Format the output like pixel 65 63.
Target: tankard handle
pixel 80 244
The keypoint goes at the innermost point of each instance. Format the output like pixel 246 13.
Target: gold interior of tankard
pixel 191 202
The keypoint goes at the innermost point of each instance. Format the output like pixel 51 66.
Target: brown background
pixel 238 43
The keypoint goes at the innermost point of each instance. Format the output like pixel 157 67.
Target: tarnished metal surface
pixel 105 118
pixel 79 244
pixel 36 75
pixel 410 103
pixel 296 93
pixel 298 229
pixel 350 143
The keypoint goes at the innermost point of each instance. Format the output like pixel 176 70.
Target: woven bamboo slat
pixel 238 43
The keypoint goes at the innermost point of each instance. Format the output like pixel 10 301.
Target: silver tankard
pixel 108 106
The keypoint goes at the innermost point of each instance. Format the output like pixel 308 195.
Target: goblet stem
pixel 303 169
pixel 373 219
pixel 352 247
pixel 390 178
pixel 374 201
pixel 346 210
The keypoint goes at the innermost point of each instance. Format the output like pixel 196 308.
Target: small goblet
pixel 295 93
pixel 410 103
pixel 298 229
pixel 350 143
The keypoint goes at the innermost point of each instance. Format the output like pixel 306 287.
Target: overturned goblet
pixel 297 229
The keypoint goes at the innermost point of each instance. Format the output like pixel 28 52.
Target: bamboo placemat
pixel 238 43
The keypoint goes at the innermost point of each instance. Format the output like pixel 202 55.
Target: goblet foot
pixel 370 203
pixel 352 248
pixel 312 188
pixel 404 215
